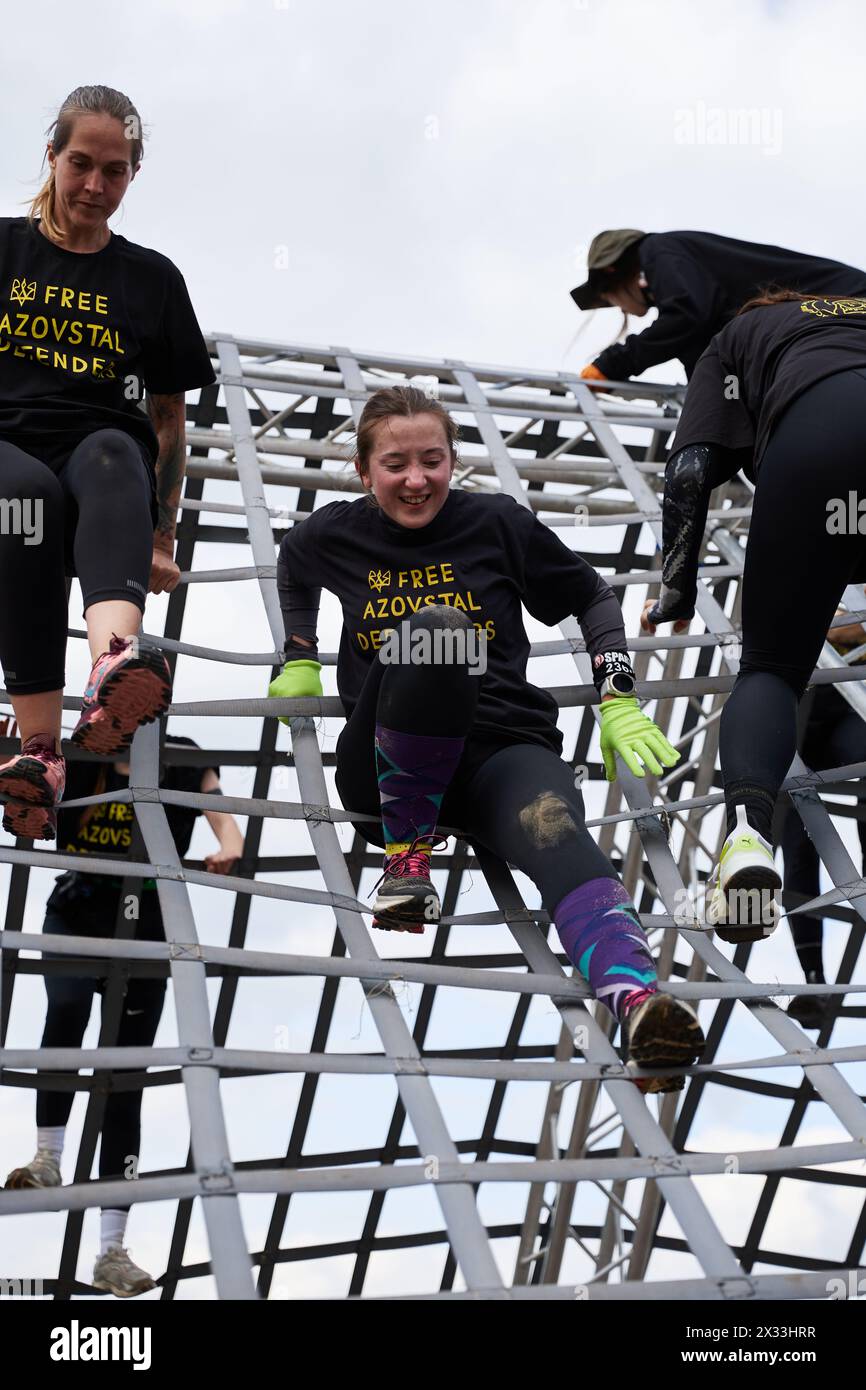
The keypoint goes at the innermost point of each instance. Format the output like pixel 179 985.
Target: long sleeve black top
pixel 485 556
pixel 699 280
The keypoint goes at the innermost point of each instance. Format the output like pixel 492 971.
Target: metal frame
pixel 556 446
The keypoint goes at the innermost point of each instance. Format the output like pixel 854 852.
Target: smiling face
pixel 409 468
pixel 91 173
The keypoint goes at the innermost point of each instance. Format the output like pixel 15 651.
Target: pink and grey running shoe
pixel 31 785
pixel 407 899
pixel 37 774
pixel 129 685
pixel 29 822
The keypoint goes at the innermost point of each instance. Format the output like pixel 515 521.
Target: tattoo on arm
pixel 167 415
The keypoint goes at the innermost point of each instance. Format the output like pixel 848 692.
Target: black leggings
pixel 91 514
pixel 795 572
pixel 69 1002
pixel 519 800
pixel 833 736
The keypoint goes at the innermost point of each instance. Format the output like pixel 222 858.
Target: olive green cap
pixel 604 250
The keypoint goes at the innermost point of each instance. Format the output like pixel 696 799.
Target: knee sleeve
pixel 111 520
pixel 428 687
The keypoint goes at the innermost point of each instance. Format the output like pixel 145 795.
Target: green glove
pixel 297 680
pixel 625 730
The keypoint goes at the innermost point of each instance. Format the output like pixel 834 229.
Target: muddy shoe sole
pixel 403 916
pixel 665 1033
pixel 754 927
pixel 29 821
pixel 406 910
pixel 137 693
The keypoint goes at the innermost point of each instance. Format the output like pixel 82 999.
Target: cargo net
pixel 330 1111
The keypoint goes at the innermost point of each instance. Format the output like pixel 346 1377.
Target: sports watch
pixel 612 673
pixel 620 683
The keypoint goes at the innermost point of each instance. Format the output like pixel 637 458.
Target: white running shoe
pixel 116 1273
pixel 743 904
pixel 41 1171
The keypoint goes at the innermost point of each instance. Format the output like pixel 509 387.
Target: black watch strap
pixel 607 664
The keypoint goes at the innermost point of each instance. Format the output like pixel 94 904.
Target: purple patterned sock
pixel 413 772
pixel 603 938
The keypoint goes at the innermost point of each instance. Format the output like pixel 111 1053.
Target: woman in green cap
pixel 697 281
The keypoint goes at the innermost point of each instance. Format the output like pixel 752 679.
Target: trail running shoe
pixel 743 905
pixel 29 822
pixel 407 900
pixel 116 1273
pixel 129 685
pixel 662 1032
pixel 36 775
pixel 41 1171
pixel 810 1010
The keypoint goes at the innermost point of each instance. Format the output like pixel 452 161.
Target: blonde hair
pixel 84 101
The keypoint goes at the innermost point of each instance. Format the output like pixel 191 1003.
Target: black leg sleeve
pixel 111 522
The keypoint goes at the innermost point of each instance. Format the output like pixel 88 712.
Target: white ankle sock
pixel 112 1228
pixel 51 1137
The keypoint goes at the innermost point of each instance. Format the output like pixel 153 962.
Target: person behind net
pixel 697 281
pixel 781 393
pixel 830 733
pixel 84 904
pixel 442 724
pixel 89 321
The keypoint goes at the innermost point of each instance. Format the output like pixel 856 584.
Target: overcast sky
pixel 425 178
pixel 435 171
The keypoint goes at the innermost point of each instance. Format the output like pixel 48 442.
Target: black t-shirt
pixel 699 280
pixel 106 829
pixel 761 362
pixel 82 334
pixel 484 556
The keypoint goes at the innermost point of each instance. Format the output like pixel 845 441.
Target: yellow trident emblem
pixel 833 308
pixel 22 292
pixel 378 581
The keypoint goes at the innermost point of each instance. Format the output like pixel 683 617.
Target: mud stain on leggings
pixel 547 821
